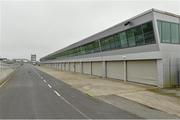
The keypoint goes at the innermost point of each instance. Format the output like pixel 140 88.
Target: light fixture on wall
pixel 127 23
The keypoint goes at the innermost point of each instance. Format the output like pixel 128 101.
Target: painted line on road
pixel 3 83
pixel 57 93
pixel 38 74
pixel 84 115
pixel 45 81
pixel 49 86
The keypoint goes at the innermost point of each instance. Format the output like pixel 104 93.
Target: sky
pixel 44 26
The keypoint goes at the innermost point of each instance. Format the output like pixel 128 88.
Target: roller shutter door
pixel 72 67
pixel 115 70
pixel 78 67
pixel 142 71
pixel 60 68
pixel 97 68
pixel 87 68
pixel 67 66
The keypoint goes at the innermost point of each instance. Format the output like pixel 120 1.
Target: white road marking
pixel 45 81
pixel 3 83
pixel 49 86
pixel 57 93
pixel 84 115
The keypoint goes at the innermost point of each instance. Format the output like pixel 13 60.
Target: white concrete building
pixel 143 49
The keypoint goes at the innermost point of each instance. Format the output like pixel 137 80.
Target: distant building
pixel 33 58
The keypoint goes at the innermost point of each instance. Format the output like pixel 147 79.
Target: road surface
pixel 31 94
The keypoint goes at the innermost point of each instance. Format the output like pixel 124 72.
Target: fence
pixel 5 66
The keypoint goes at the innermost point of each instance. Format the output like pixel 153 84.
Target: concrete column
pixel 160 73
pixel 125 70
pixel 61 66
pixel 81 67
pixel 74 67
pixel 69 66
pixel 91 67
pixel 104 69
pixel 58 66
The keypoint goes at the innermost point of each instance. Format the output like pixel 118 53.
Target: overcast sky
pixel 44 26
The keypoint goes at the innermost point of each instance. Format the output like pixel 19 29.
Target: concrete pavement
pixel 32 94
pixel 138 99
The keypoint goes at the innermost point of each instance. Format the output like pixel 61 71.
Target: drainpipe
pixel 125 68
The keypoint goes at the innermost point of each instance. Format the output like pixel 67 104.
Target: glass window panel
pixel 139 36
pixel 123 39
pixel 140 40
pixel 112 42
pixel 147 27
pixel 166 37
pixel 105 44
pixel 131 37
pixel 148 33
pixel 117 41
pixel 174 33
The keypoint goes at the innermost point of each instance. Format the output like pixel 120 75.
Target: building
pixel 142 49
pixel 33 58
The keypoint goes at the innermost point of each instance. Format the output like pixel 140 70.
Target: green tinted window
pixel 131 37
pixel 174 33
pixel 105 45
pixel 148 33
pixel 112 42
pixel 139 36
pixel 117 40
pixel 96 46
pixel 169 32
pixel 123 39
pixel 166 33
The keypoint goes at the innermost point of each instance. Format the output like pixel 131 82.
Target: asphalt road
pixel 31 94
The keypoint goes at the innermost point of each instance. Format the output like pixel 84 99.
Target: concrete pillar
pixel 91 67
pixel 60 66
pixel 74 67
pixel 104 69
pixel 69 66
pixel 57 66
pixel 160 73
pixel 125 70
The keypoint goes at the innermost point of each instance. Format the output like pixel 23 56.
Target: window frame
pixel 160 34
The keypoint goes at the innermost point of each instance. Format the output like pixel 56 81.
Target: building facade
pixel 142 49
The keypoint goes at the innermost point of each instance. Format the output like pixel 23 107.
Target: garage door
pixel 87 68
pixel 62 66
pixel 115 70
pixel 97 68
pixel 59 66
pixel 78 67
pixel 142 71
pixel 72 67
pixel 56 66
pixel 67 66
